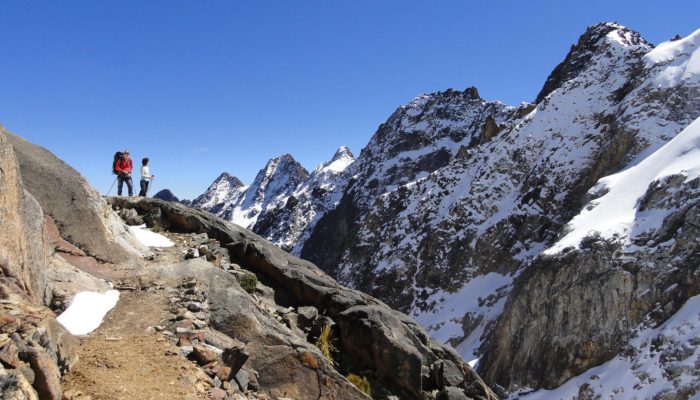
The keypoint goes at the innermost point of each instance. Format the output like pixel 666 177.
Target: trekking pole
pixel 148 189
pixel 110 188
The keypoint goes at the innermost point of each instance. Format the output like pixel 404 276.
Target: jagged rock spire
pixel 581 53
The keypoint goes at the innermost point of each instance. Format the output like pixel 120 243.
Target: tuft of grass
pixel 157 228
pixel 361 383
pixel 324 344
pixel 248 282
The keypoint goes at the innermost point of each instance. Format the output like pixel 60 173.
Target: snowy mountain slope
pixel 222 187
pixel 284 202
pixel 492 204
pixel 629 256
pixel 446 209
pixel 619 213
pixel 638 206
pixel 577 307
pixel 244 204
pixel 289 221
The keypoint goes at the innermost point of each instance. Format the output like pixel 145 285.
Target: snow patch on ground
pixel 664 361
pixel 87 310
pixel 148 238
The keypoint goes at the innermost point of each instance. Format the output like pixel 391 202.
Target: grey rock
pixel 200 238
pixel 308 313
pixel 14 386
pixel 452 393
pixel 186 315
pixel 235 357
pixel 219 340
pixel 191 253
pixel 194 306
pixel 448 374
pixel 130 217
pixel 242 379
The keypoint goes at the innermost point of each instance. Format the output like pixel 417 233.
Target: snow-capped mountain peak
pixel 341 160
pixel 284 201
pixel 218 191
pixel 342 153
pixel 594 40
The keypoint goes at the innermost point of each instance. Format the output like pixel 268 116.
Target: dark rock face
pixel 367 328
pixel 569 313
pixel 166 195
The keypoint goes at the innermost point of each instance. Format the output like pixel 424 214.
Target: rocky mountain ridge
pixel 446 211
pixel 282 194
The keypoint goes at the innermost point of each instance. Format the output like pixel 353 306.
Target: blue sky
pixel 213 86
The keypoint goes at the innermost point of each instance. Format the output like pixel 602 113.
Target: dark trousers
pixel 144 187
pixel 121 178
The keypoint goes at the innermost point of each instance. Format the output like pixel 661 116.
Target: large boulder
pixel 79 211
pixel 287 366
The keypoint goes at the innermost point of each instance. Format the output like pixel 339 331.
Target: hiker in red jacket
pixel 124 168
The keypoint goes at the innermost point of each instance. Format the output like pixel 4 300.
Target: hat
pixel 126 151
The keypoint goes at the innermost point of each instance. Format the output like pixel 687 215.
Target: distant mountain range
pixel 543 239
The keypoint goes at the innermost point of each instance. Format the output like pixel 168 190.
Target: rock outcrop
pixel 372 339
pixel 581 303
pixel 34 348
pixel 77 209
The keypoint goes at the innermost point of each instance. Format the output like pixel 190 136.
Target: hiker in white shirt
pixel 146 177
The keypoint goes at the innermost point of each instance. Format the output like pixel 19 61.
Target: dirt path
pixel 127 359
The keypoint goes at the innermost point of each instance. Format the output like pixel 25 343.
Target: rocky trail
pixel 133 355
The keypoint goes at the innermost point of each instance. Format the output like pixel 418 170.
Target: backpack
pixel 117 156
